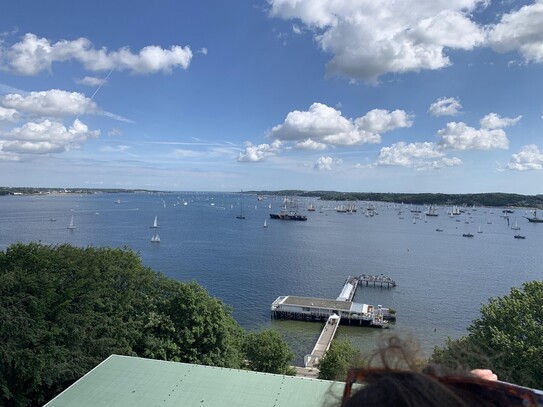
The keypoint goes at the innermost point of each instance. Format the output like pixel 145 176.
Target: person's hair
pixel 395 375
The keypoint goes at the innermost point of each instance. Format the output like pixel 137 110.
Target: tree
pixel 341 356
pixel 65 309
pixel 507 338
pixel 267 352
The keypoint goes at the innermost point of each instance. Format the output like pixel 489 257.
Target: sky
pixel 345 95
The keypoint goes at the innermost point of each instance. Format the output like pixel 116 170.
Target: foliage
pixel 341 356
pixel 507 338
pixel 482 199
pixel 267 352
pixel 65 309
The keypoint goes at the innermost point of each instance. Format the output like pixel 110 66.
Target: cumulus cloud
pixel 325 125
pixel 494 121
pixel 408 155
pixel 8 115
pixel 46 137
pixel 520 31
pixel 445 107
pixel 309 144
pixel 54 102
pixel 529 158
pixel 368 39
pixel 260 152
pixel 460 136
pixel 33 55
pixel 326 163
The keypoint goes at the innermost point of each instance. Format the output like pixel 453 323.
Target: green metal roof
pixel 129 381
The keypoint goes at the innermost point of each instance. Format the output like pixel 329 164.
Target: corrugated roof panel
pixel 133 382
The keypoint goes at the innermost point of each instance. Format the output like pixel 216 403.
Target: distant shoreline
pixel 495 199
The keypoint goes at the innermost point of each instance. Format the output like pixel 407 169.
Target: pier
pixel 379 280
pixel 342 310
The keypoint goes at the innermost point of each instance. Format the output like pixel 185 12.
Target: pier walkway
pixel 323 343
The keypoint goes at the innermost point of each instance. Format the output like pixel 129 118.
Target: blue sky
pixel 347 95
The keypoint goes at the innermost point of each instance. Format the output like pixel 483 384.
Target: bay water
pixel 442 278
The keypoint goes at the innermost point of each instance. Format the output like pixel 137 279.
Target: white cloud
pixel 520 31
pixel 7 156
pixel 326 125
pixel 409 155
pixel 326 163
pixel 296 29
pixel 459 136
pixel 184 153
pixel 381 121
pixel 54 102
pixel 368 39
pixel 91 81
pixel 115 132
pixel 441 163
pixel 261 152
pixel 445 107
pixel 309 144
pixel 494 121
pixel 32 55
pixel 121 148
pixel 529 158
pixel 203 51
pixel 8 115
pixel 46 137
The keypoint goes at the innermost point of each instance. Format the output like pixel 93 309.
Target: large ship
pixel 289 211
pixel 535 219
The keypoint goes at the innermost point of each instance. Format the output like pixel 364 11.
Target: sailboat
pixel 155 223
pixel 535 219
pixel 240 216
pixel 515 226
pixel 72 224
pixel 480 230
pixel 265 224
pixel 155 238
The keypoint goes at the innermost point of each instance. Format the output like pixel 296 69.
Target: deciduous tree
pixel 507 338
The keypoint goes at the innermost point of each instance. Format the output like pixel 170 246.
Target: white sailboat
pixel 72 223
pixel 515 226
pixel 480 230
pixel 155 223
pixel 265 224
pixel 155 238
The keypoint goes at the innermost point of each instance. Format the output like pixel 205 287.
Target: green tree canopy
pixel 267 352
pixel 64 309
pixel 507 338
pixel 341 356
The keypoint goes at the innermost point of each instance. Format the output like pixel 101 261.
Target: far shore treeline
pixel 481 199
pixel 498 199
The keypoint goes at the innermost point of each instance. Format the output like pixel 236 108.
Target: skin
pixel 486 374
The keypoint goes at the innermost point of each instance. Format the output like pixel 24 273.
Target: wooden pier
pixel 376 280
pixel 323 343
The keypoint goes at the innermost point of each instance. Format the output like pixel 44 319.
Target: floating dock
pixel 342 310
pixel 376 280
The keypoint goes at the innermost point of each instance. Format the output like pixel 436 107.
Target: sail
pixel 72 224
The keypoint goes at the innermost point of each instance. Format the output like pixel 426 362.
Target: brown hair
pixel 396 375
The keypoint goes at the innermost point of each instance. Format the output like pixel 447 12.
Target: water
pixel 443 278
